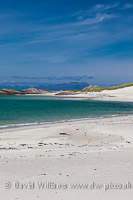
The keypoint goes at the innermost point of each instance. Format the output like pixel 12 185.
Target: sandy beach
pixel 123 94
pixel 88 152
pixel 66 100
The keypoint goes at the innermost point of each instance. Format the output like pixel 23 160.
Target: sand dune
pixel 124 94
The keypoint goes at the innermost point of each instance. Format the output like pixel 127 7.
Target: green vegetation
pixel 10 89
pixel 90 88
pixel 99 89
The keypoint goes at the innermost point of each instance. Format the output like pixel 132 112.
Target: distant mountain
pixel 64 86
pixel 20 85
pixel 44 86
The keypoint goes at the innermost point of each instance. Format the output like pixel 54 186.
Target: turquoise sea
pixel 27 110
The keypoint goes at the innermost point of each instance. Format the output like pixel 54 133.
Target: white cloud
pixel 50 59
pixel 98 7
pixel 126 6
pixel 98 19
pixel 101 7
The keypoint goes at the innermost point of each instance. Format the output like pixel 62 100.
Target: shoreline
pixel 120 95
pixel 65 124
pixel 41 124
pixel 97 150
pixel 81 98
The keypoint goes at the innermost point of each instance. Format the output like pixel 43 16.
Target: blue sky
pixel 63 38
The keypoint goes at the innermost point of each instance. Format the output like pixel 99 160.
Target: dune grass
pixel 99 89
pixel 96 88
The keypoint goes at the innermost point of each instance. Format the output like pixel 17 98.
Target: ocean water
pixel 28 110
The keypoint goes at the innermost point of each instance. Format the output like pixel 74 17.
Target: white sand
pixel 95 150
pixel 124 94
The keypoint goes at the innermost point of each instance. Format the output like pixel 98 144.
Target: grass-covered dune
pixel 99 89
pixel 96 88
